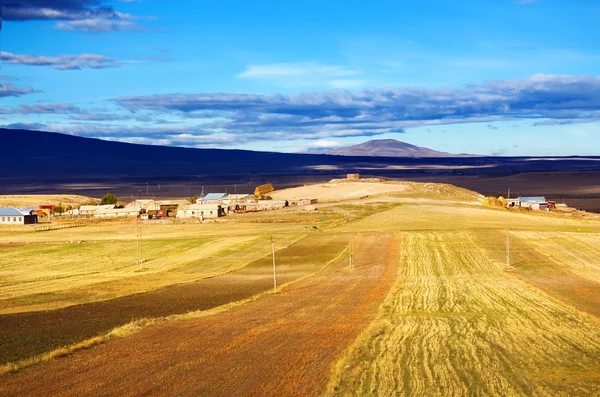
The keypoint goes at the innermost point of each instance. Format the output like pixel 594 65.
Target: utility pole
pixel 146 188
pixel 351 249
pixel 274 271
pixel 508 193
pixel 507 249
pixel 140 252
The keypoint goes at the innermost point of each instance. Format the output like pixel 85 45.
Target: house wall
pixel 12 220
pixel 198 213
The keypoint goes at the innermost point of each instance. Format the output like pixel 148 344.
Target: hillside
pixel 389 148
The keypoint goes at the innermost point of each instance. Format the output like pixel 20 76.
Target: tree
pixel 59 209
pixel 108 198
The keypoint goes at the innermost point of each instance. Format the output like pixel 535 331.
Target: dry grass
pixel 456 322
pixel 137 325
pixel 459 324
pixel 40 199
pixel 460 217
pixel 578 252
pixel 329 192
pixel 54 273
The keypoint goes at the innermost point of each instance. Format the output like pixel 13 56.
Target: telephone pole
pixel 507 249
pixel 274 271
pixel 140 260
pixel 351 249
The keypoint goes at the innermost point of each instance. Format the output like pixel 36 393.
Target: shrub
pixel 108 198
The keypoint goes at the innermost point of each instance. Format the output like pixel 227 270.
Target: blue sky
pixel 488 77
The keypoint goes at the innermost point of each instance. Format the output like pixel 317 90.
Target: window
pixel 14 218
pixel 3 219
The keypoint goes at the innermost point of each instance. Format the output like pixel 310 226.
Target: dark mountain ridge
pixel 44 162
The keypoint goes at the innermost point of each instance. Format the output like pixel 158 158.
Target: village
pixel 213 205
pixel 206 207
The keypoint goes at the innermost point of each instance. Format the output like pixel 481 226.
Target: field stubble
pixel 457 323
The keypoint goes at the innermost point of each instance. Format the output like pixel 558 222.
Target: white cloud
pixel 303 74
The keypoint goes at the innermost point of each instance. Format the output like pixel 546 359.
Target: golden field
pixel 429 309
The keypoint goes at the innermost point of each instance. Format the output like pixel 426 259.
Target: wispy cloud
pixel 63 62
pixel 303 74
pixel 8 90
pixel 43 108
pixel 96 25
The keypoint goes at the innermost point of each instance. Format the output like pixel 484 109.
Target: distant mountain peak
pixel 389 148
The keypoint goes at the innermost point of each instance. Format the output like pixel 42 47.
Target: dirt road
pixel 282 344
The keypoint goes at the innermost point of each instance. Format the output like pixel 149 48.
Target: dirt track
pixel 282 344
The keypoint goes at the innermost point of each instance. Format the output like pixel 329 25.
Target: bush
pixel 108 198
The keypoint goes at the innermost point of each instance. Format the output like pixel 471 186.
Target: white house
pixel 200 211
pixel 91 209
pixel 117 212
pixel 12 216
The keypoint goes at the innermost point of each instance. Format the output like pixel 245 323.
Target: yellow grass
pixel 137 325
pixel 579 252
pixel 66 268
pixel 41 199
pixel 457 323
pixel 452 217
pixel 328 192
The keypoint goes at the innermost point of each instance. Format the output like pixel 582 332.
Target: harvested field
pixel 28 334
pixel 282 344
pixel 40 199
pixel 42 271
pixel 456 321
pixel 328 192
pixel 459 324
pixel 577 252
pixel 549 261
pixel 440 217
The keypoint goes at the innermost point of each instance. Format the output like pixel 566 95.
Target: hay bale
pixel 263 189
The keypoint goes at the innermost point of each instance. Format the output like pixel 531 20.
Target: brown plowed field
pixel 282 344
pixel 24 335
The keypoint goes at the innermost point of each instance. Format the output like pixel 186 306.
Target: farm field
pixel 282 344
pixel 430 309
pixel 458 323
pixel 39 199
pixel 47 330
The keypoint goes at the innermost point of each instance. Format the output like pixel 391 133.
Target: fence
pixel 56 226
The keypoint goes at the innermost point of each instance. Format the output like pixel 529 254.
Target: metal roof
pixel 29 209
pixel 10 211
pixel 536 199
pixel 214 196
